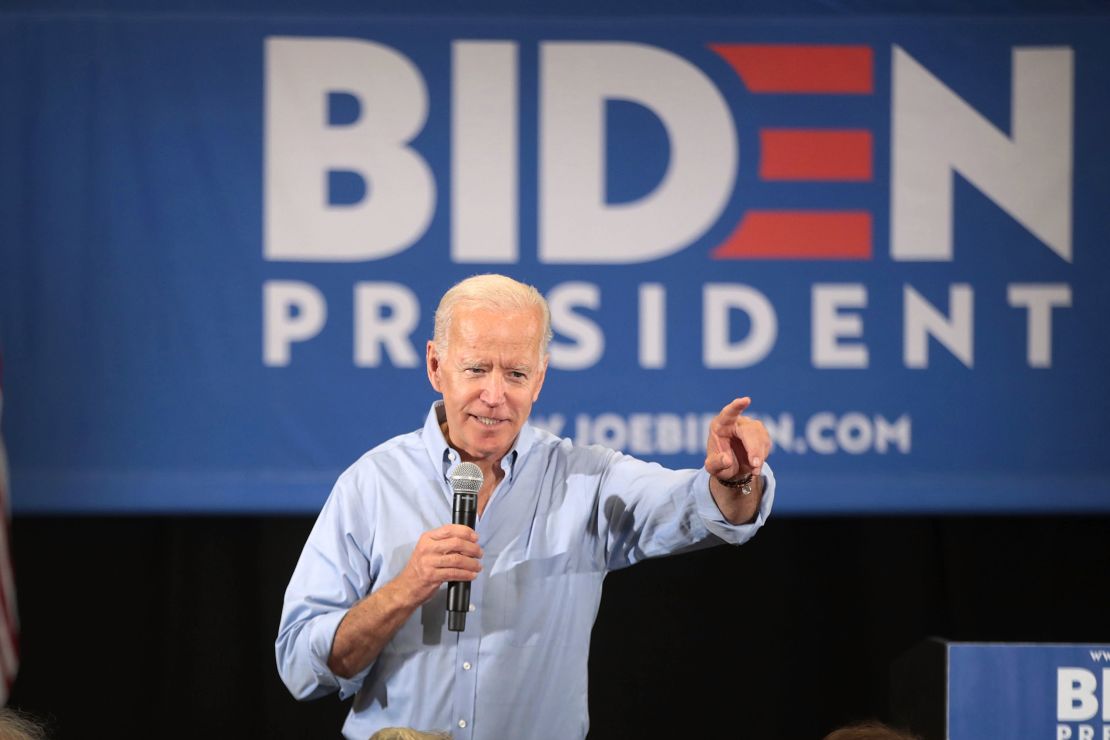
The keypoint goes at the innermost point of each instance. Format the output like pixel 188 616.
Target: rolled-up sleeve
pixel 645 510
pixel 331 576
pixel 302 656
pixel 715 522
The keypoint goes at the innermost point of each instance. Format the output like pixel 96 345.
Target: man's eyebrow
pixel 473 361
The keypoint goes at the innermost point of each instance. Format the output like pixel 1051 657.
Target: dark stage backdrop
pixel 164 627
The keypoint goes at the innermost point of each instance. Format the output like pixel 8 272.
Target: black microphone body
pixel 466 481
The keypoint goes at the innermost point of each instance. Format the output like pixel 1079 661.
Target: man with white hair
pixel 364 612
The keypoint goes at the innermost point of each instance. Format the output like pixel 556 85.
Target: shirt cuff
pixel 320 642
pixel 715 522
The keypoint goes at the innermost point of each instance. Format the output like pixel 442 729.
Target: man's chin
pixel 492 443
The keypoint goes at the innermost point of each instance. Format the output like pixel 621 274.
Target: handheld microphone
pixel 466 481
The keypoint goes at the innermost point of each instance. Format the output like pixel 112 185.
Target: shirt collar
pixel 447 458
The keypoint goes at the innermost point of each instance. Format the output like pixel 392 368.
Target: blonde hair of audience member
pixel 870 730
pixel 18 726
pixel 406 733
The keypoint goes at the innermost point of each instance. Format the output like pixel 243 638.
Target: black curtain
pixel 164 627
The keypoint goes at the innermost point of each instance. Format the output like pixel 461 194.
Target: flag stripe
pixel 842 155
pixel 800 235
pixel 801 69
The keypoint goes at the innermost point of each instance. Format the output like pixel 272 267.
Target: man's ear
pixel 434 366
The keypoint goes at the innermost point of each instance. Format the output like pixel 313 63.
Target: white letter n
pixel 935 132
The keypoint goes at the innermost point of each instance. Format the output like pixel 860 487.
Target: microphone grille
pixel 466 478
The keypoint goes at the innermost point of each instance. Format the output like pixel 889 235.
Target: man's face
pixel 490 376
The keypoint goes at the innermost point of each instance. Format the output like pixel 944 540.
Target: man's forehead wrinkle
pixel 511 340
pixel 473 338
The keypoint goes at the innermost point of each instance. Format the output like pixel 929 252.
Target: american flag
pixel 9 618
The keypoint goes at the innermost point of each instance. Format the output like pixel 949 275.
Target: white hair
pixel 493 292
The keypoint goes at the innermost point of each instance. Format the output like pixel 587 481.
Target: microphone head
pixel 466 478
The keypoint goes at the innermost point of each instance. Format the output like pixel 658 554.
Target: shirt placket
pixel 465 695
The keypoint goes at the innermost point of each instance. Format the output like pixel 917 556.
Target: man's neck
pixel 492 471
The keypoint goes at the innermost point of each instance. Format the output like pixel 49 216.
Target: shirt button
pixel 472 607
pixel 462 723
pixel 466 666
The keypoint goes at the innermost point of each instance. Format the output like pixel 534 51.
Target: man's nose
pixel 493 390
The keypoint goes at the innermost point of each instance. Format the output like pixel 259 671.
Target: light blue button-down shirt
pixel 562 517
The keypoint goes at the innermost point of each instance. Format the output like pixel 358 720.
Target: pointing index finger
pixel 732 411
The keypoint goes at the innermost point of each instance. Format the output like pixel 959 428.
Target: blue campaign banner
pixel 222 241
pixel 1028 692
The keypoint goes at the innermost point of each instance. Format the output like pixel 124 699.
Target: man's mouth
pixel 486 420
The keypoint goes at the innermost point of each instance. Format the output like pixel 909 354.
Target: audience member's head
pixel 18 726
pixel 870 730
pixel 404 733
